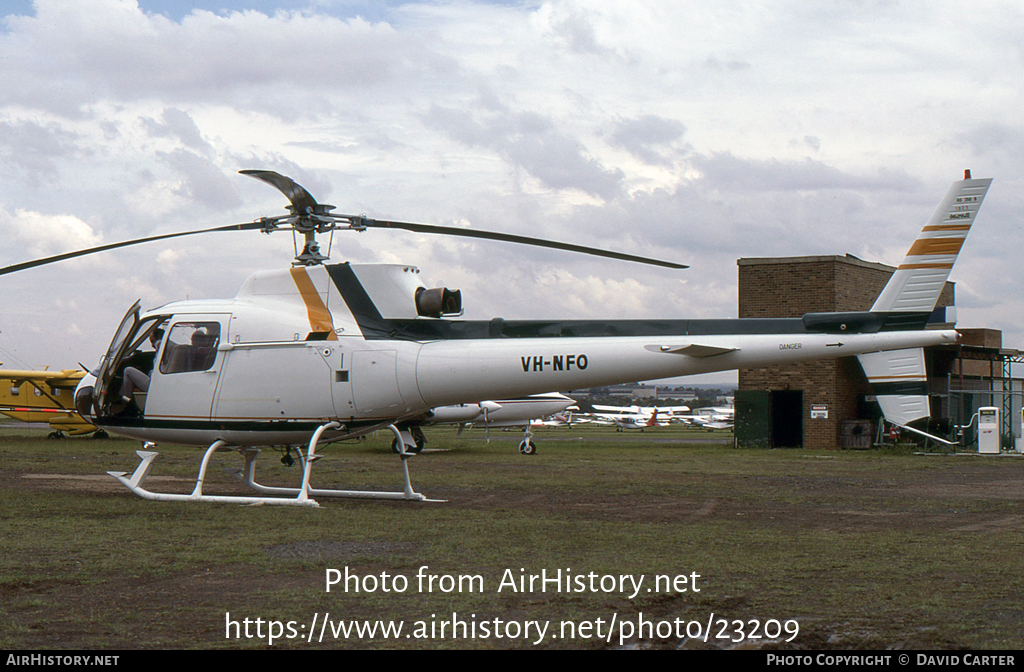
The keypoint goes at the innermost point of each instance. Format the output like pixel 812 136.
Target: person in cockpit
pixel 140 366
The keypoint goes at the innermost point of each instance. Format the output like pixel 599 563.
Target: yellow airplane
pixel 44 396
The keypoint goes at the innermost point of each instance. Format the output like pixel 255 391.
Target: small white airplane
pixel 627 417
pixel 714 417
pixel 522 412
pixel 709 424
pixel 642 410
pixel 566 418
pixel 638 422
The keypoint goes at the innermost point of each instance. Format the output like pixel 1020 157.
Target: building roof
pixel 835 258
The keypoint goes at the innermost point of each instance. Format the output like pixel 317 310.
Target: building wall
pixel 985 338
pixel 792 286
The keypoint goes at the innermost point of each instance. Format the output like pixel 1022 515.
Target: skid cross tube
pixel 304 495
pixel 301 496
pixel 248 475
pixel 134 483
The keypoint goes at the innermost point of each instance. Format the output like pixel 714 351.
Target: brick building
pixel 812 404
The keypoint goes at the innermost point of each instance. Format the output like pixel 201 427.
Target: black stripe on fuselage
pixel 377 327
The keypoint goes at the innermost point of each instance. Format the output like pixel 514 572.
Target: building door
pixel 753 428
pixel 787 418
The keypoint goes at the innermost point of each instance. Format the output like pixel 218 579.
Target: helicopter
pixel 321 352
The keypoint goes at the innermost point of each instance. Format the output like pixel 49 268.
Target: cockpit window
pixel 191 346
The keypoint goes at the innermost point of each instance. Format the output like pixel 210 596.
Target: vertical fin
pixel 899 377
pixel 918 281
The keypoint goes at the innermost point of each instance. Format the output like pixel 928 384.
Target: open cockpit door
pixel 109 364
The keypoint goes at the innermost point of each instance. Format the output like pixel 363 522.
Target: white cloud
pixel 697 133
pixel 36 234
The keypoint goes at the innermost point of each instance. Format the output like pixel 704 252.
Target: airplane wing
pixel 613 416
pixel 673 410
pixel 618 410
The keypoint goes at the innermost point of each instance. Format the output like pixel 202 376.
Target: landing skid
pixel 301 496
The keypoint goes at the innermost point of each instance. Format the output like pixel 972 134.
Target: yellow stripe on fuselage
pixel 320 319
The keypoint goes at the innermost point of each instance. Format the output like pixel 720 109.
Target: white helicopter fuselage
pixel 300 347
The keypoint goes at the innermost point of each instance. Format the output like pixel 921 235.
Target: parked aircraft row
pixel 638 417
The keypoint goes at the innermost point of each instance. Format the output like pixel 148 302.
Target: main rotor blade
pixel 111 246
pixel 512 238
pixel 301 199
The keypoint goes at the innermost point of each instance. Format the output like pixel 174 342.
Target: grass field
pixel 858 549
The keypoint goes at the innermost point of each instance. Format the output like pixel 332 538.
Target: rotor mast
pixel 307 216
pixel 309 224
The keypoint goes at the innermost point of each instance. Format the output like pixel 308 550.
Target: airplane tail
pixel 898 377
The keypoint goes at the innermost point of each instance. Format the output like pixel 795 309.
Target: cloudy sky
pixel 691 131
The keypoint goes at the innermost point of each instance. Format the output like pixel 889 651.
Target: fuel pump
pixel 988 430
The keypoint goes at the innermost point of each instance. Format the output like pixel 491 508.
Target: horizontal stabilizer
pixel 899 381
pixel 693 350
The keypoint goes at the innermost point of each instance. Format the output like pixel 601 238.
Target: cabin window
pixel 191 346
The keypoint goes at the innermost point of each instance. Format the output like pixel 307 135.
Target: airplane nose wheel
pixel 527 446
